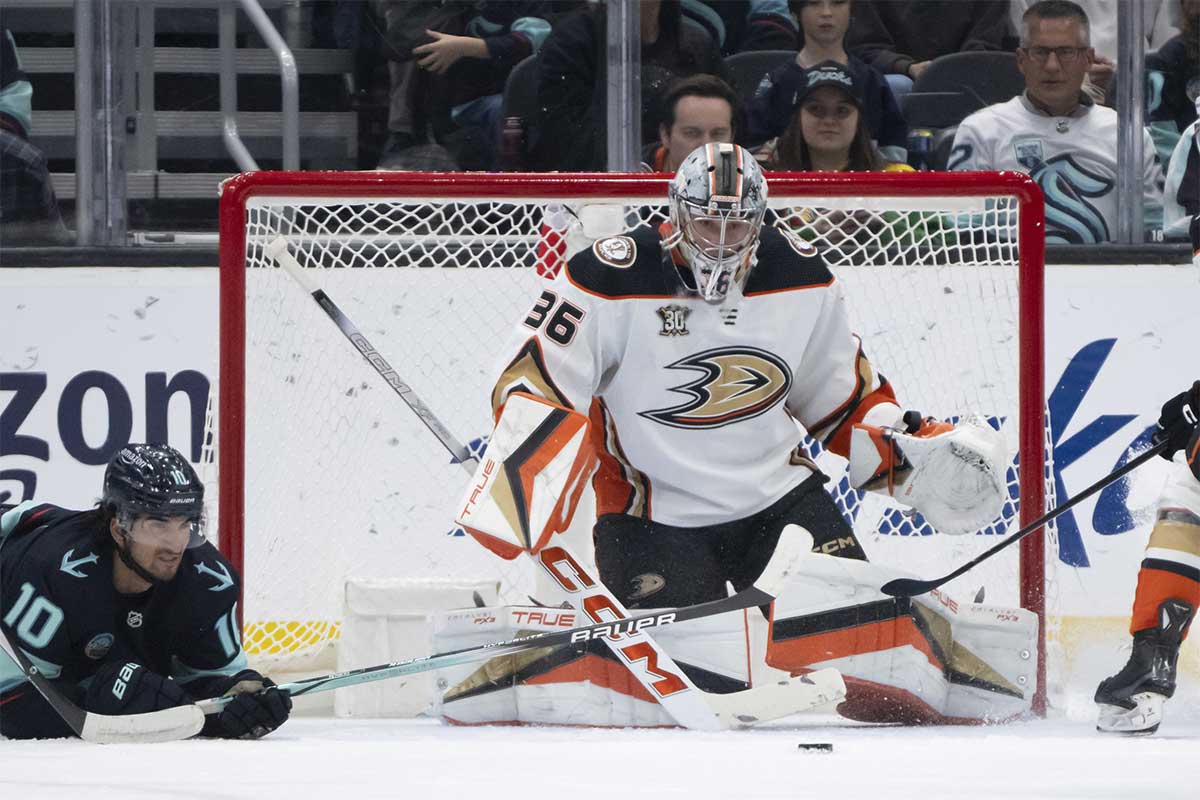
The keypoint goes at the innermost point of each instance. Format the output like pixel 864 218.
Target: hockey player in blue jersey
pixel 126 606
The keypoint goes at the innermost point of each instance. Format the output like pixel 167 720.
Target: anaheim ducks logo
pixel 736 383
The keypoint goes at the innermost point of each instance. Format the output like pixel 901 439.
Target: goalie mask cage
pixel 324 474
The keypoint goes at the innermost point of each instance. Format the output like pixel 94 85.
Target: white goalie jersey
pixel 694 406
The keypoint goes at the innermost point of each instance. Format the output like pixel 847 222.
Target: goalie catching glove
pixel 953 475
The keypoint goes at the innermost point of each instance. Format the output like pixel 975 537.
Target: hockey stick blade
pixel 168 725
pixel 910 587
pixel 780 699
pixel 794 543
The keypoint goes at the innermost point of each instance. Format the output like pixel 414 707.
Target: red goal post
pixel 966 247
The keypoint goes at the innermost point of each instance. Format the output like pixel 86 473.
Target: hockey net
pixel 324 475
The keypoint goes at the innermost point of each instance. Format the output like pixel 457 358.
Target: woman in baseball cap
pixel 826 132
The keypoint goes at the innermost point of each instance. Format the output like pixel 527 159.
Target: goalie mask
pixel 718 199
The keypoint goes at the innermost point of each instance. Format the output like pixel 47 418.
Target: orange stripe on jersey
pixel 1153 587
pixel 802 288
pixel 835 429
pixel 619 488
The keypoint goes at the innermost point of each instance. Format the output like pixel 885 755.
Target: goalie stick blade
pixel 780 699
pixel 169 725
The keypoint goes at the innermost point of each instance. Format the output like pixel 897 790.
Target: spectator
pixel 1159 22
pixel 1181 196
pixel 1173 82
pixel 901 38
pixel 824 24
pixel 1056 133
pixel 448 63
pixel 570 134
pixel 699 109
pixel 826 132
pixel 739 26
pixel 28 207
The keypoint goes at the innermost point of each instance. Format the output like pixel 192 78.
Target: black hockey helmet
pixel 154 480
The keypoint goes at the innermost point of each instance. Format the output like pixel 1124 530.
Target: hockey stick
pixel 278 251
pixel 769 702
pixel 690 706
pixel 168 725
pixel 909 587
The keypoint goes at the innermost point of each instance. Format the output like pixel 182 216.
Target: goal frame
pixel 651 188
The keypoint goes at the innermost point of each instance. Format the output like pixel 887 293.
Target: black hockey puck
pixel 817 747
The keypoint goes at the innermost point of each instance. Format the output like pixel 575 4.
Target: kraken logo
pixel 1069 187
pixel 736 383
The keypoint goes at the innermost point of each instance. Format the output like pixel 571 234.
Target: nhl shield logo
pixel 616 251
pixel 674 320
pixel 134 620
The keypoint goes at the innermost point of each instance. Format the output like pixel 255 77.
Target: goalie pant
pixel 59 605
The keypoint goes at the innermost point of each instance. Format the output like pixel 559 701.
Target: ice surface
pixel 420 759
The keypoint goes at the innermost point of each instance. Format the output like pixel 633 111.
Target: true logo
pixel 674 320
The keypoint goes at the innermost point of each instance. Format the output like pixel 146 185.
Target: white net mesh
pixel 342 480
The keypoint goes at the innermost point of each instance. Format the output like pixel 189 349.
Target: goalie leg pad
pixel 580 684
pixel 926 659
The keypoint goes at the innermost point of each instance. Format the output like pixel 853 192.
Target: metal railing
pixel 288 76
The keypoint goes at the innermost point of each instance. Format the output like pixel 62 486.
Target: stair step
pixel 154 185
pixel 200 61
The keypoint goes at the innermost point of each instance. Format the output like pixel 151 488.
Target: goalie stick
pixel 909 587
pixel 738 709
pixel 691 707
pixel 155 726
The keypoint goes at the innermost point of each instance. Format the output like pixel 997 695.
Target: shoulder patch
pixel 616 251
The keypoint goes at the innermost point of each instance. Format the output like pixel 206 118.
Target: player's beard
pixel 164 563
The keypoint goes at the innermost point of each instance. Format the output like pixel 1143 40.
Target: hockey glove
pixel 257 708
pixel 1180 416
pixel 953 475
pixel 121 687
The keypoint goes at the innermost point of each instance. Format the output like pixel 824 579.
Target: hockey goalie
pixel 698 354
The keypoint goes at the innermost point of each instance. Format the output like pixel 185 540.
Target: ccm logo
pixel 557 618
pixel 615 629
pixel 123 679
pixel 489 466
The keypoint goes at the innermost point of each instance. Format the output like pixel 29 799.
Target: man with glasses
pixel 1056 134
